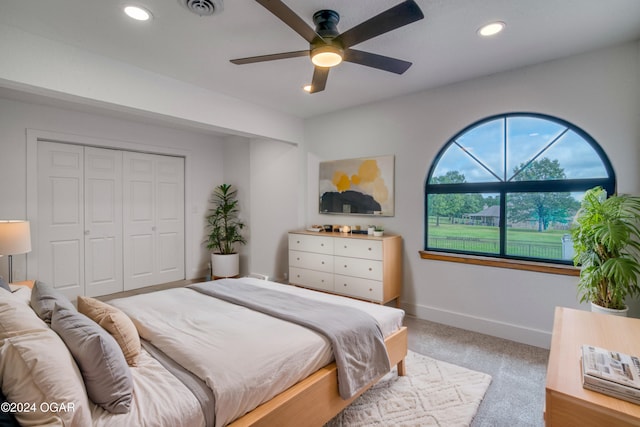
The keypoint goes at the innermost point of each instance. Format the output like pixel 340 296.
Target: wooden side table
pixel 567 402
pixel 27 283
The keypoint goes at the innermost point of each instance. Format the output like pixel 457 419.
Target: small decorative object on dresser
pixel 355 265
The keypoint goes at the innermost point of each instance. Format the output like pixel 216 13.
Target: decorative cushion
pixel 118 324
pixel 104 369
pixel 37 368
pixel 43 299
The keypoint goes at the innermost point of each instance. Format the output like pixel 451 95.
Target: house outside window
pixel 509 186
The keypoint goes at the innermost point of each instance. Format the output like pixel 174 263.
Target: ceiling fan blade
pixel 290 18
pixel 396 17
pixel 272 57
pixel 320 75
pixel 374 60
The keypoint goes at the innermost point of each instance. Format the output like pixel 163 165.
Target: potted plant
pixel 606 243
pixel 378 230
pixel 224 232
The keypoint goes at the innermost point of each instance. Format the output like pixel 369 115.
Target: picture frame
pixel 359 186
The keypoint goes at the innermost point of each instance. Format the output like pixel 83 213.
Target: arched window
pixel 509 186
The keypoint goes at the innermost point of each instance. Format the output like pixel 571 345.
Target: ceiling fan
pixel 328 47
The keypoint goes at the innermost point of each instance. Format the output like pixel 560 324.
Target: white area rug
pixel 433 393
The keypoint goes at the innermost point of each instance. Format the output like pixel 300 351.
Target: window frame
pixel 502 188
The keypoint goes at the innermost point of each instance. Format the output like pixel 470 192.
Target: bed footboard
pixel 315 400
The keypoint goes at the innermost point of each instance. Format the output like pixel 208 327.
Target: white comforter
pixel 245 357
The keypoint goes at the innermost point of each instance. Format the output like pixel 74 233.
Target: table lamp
pixel 15 239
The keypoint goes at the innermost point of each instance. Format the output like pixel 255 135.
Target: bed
pixel 288 371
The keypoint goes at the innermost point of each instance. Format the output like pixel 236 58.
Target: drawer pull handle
pixel 322 262
pixel 370 269
pixel 321 244
pixel 345 266
pixel 345 284
pixel 369 248
pixel 298 259
pixel 297 241
pixel 345 246
pixel 298 276
pixel 370 289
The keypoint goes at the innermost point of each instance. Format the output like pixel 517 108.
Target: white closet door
pixel 153 219
pixel 170 218
pixel 103 221
pixel 60 217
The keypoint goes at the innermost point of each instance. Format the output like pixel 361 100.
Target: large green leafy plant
pixel 606 244
pixel 223 223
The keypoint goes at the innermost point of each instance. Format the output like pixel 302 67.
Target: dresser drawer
pixel 306 243
pixel 358 267
pixel 312 261
pixel 370 290
pixel 311 278
pixel 358 248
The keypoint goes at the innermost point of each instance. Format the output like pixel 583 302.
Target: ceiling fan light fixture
pixel 326 56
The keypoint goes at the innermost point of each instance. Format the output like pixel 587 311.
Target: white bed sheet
pixel 245 357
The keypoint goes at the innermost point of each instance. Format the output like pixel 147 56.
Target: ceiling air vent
pixel 203 7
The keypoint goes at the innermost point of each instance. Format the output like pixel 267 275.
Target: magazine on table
pixel 611 372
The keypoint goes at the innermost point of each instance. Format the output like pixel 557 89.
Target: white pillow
pixel 17 317
pixel 37 368
pixel 22 292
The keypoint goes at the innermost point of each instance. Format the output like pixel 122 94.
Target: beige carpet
pixel 433 393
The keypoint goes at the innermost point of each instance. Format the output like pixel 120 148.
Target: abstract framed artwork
pixel 362 186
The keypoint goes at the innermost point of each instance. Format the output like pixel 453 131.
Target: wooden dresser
pixel 355 265
pixel 568 404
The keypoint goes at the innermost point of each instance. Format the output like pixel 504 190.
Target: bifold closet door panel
pixel 59 252
pixel 170 218
pixel 103 221
pixel 153 202
pixel 139 200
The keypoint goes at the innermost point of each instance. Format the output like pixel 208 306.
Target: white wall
pixel 37 65
pixel 203 159
pixel 275 199
pixel 266 173
pixel 598 91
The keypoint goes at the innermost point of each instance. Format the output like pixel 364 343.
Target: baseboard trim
pixel 521 334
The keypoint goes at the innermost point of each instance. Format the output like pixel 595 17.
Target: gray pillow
pixel 4 284
pixel 44 297
pixel 104 369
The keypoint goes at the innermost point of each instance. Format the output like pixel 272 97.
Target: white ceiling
pixel 443 47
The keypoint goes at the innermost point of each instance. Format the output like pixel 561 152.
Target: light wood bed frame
pixel 315 400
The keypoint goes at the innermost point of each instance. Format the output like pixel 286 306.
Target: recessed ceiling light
pixel 491 29
pixel 137 13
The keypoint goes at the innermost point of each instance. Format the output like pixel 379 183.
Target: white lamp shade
pixel 15 237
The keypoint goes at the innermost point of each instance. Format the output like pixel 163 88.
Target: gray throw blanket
pixel 356 338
